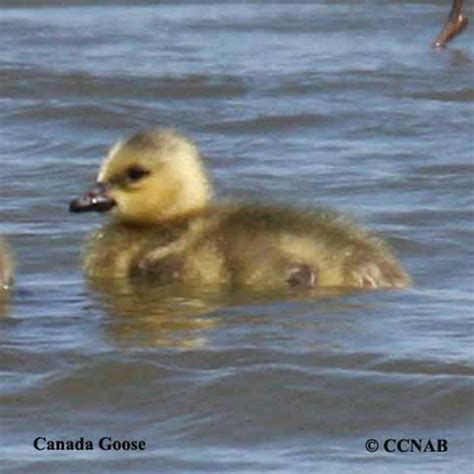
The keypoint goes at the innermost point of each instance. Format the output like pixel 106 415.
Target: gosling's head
pixel 151 177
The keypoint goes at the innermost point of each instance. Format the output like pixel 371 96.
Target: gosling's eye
pixel 135 173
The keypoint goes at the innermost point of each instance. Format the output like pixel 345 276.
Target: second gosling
pixel 6 267
pixel 165 228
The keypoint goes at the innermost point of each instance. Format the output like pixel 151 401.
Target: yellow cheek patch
pixel 146 202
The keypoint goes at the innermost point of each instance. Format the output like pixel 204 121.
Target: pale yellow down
pixel 176 185
pixel 166 230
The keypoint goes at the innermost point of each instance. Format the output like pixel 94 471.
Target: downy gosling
pixel 165 229
pixel 6 267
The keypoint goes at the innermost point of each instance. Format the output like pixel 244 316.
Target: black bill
pixel 97 199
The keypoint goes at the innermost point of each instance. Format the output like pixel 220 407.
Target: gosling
pixel 165 229
pixel 6 268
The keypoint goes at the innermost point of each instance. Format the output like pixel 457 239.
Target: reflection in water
pixel 147 314
pixel 3 303
pixel 159 316
pixel 460 58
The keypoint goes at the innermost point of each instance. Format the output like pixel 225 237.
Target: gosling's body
pixel 245 245
pixel 166 230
